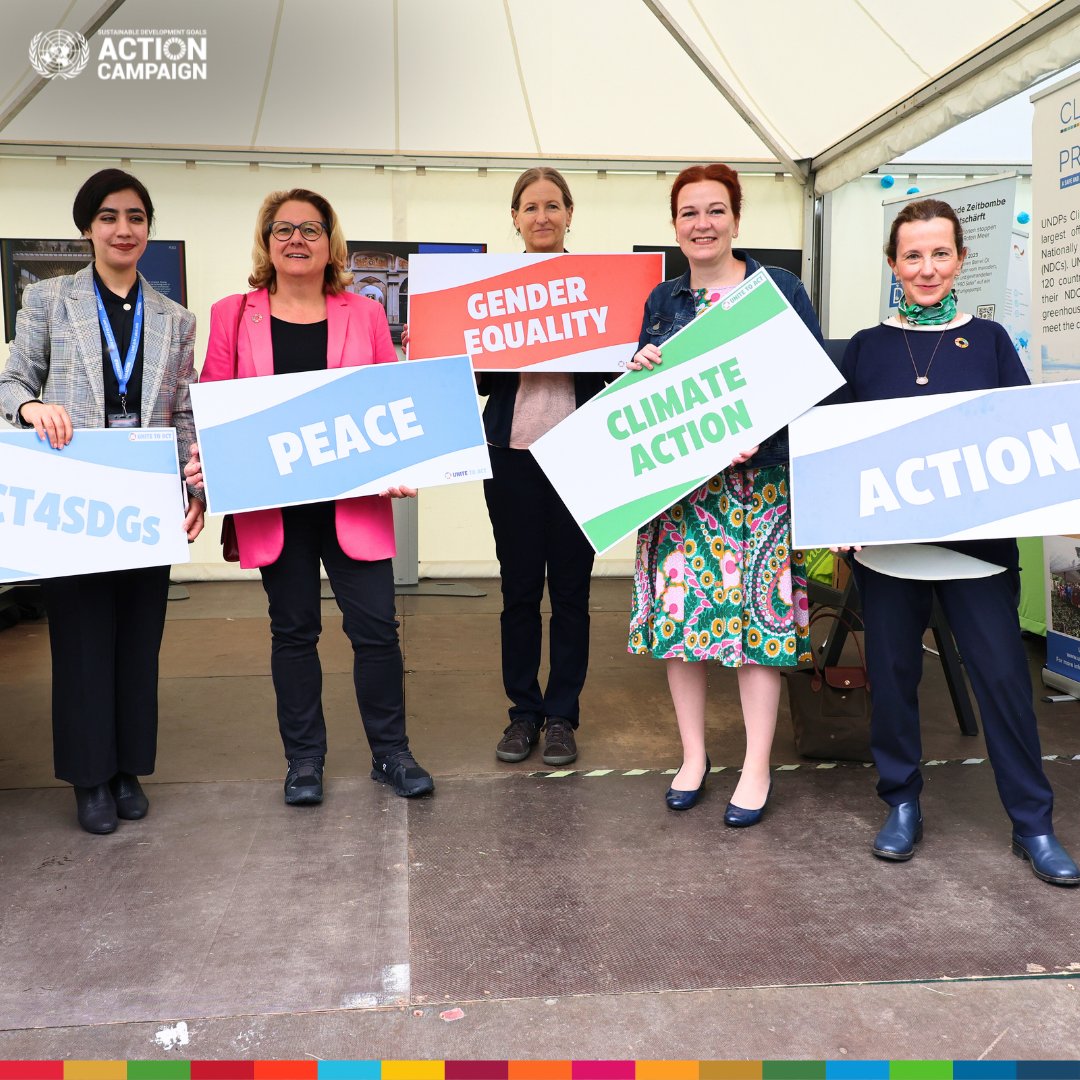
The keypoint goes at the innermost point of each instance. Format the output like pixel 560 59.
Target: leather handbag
pixel 830 706
pixel 230 546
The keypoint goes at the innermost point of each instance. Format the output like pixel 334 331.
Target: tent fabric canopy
pixel 844 84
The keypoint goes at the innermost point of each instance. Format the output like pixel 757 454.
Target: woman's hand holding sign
pixel 645 358
pixel 51 422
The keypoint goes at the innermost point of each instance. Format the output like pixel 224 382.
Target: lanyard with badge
pixel 123 372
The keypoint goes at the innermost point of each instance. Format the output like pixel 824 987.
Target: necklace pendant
pixel 921 380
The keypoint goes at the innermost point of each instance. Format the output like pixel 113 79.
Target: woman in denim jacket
pixel 716 577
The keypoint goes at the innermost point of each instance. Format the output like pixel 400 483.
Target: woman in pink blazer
pixel 300 318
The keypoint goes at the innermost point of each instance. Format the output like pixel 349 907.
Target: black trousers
pixel 982 614
pixel 535 535
pixel 105 635
pixel 365 594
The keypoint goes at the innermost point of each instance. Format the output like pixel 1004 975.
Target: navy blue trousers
pixel 535 536
pixel 982 615
pixel 365 594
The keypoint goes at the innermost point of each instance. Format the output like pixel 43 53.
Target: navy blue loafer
pixel 900 833
pixel 683 800
pixel 738 818
pixel 1049 860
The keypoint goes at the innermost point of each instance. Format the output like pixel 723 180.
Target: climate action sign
pixel 728 380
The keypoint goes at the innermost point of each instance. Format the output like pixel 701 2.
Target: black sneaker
pixel 559 745
pixel 518 740
pixel 303 782
pixel 401 770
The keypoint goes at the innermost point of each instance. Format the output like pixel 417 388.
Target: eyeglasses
pixel 309 230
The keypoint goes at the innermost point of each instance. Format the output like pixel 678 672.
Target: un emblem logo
pixel 59 52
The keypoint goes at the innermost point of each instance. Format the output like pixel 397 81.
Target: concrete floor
pixel 567 917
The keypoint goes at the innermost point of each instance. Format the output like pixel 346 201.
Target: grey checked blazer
pixel 56 357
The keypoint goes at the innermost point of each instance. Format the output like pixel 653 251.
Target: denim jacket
pixel 671 306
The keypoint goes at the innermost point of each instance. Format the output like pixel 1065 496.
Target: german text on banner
pixel 282 440
pixel 109 500
pixel 541 312
pixel 728 380
pixel 970 466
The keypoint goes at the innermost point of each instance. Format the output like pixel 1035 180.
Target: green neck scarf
pixel 944 311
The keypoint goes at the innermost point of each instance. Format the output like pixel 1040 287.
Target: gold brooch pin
pixel 962 342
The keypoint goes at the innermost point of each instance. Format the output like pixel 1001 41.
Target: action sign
pixel 541 312
pixel 969 466
pixel 728 380
pixel 281 440
pixel 110 500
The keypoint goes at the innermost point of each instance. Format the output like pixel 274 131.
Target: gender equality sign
pixel 109 500
pixel 535 312
pixel 282 440
pixel 969 466
pixel 729 379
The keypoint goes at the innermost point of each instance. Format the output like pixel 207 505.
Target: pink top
pixel 544 399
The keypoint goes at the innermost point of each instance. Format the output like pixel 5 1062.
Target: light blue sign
pixel 316 436
pixel 993 463
pixel 109 500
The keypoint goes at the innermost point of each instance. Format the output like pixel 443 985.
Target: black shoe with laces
pixel 303 782
pixel 559 745
pixel 400 769
pixel 518 740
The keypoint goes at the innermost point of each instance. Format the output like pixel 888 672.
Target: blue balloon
pixel 1023 217
pixel 887 181
pixel 913 191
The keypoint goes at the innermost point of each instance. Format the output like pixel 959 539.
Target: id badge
pixel 122 420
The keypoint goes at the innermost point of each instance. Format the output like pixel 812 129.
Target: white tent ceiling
pixel 833 87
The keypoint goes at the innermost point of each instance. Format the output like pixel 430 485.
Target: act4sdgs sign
pixel 541 312
pixel 728 380
pixel 282 440
pixel 109 500
pixel 970 466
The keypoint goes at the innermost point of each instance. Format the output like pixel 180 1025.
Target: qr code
pixel 985 311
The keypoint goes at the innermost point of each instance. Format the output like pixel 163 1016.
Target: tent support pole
pixel 727 91
pixel 812 245
pixel 105 12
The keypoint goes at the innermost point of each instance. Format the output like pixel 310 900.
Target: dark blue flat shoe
pixel 738 818
pixel 1049 860
pixel 900 833
pixel 683 800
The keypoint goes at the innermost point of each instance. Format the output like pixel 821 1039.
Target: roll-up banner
pixel 1055 303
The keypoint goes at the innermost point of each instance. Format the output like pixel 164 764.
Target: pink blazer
pixel 357 333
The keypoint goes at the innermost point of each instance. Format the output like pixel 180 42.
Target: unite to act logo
pixel 59 52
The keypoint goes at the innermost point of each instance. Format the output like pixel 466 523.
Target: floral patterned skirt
pixel 716 578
